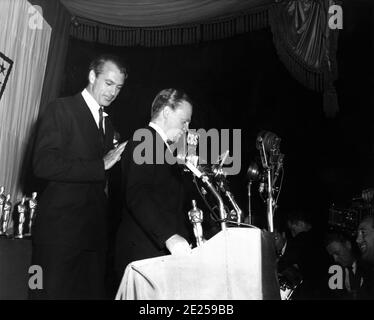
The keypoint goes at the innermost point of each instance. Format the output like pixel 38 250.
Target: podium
pixel 236 264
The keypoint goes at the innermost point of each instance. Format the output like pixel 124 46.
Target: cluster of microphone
pixel 214 177
pixel 268 144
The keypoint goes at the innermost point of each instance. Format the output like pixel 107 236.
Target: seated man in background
pixel 288 275
pixel 342 250
pixel 365 241
pixel 304 258
pixel 280 241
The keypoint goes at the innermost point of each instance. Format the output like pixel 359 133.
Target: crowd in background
pixel 337 266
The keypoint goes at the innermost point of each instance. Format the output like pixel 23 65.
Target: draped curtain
pixel 145 13
pixel 24 45
pixel 58 18
pixel 161 23
pixel 183 34
pixel 301 34
pixel 307 46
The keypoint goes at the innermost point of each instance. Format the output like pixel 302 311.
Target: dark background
pixel 240 83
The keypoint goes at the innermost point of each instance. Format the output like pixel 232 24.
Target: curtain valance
pixel 169 35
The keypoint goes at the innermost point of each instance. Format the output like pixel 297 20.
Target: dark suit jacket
pixel 153 203
pixel 307 252
pixel 366 292
pixel 69 154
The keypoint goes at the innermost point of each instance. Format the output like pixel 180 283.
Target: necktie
pixel 353 281
pixel 101 121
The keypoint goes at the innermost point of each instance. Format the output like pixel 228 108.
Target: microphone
pixel 269 140
pixel 193 169
pixel 217 169
pixel 253 172
pixel 192 141
pixel 260 147
pixel 259 141
pixel 261 187
pixel 279 164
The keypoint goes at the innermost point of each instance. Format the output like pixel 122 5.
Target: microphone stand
pixel 270 187
pixel 270 201
pixel 249 203
pixel 205 179
pixel 222 211
pixel 236 207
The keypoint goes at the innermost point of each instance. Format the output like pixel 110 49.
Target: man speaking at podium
pixel 153 222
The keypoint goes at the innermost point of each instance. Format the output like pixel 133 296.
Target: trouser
pixel 69 273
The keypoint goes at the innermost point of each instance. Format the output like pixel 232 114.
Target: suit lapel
pixel 109 133
pixel 173 168
pixel 88 125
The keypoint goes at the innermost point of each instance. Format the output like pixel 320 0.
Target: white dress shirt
pixel 283 248
pixel 161 133
pixel 94 107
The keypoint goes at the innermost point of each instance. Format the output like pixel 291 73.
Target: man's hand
pixel 293 275
pixel 178 245
pixel 113 156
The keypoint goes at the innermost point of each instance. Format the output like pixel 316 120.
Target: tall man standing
pixel 73 150
pixel 153 222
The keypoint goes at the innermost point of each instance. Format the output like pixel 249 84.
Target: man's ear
pixel 301 224
pixel 91 76
pixel 166 112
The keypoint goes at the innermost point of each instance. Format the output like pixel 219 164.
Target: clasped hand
pixel 113 156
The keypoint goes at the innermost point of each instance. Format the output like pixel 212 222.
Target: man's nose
pixel 359 238
pixel 112 91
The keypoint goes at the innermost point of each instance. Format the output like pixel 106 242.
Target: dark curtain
pixel 59 20
pixel 307 46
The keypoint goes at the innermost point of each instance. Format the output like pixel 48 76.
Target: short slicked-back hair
pixel 335 236
pixel 168 97
pixel 97 64
pixel 296 215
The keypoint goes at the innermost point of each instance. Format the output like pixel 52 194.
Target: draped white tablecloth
pixel 229 266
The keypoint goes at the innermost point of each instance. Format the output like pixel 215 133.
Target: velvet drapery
pixel 307 46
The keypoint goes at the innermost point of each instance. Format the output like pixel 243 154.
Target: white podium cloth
pixel 228 266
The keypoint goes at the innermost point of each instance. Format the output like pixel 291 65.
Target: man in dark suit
pixel 73 150
pixel 365 242
pixel 153 222
pixel 341 248
pixel 304 258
